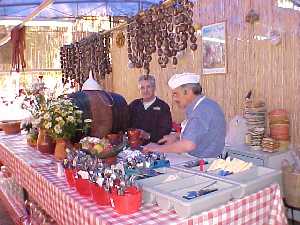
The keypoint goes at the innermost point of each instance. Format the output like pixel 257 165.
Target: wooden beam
pixel 35 12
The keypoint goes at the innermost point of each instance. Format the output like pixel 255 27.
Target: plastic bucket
pixel 83 187
pixel 70 175
pixel 128 203
pixel 99 195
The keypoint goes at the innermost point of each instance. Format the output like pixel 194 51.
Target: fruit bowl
pixel 114 151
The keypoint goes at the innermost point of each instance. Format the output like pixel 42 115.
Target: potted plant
pixel 63 120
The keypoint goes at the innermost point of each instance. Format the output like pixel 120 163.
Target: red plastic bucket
pixel 83 187
pixel 128 203
pixel 70 175
pixel 99 195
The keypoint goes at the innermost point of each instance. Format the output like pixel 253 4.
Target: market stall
pixel 207 38
pixel 37 173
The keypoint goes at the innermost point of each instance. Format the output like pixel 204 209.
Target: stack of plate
pixel 255 114
pixel 270 145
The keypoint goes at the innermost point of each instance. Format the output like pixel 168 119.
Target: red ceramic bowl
pixel 70 175
pixel 99 195
pixel 128 203
pixel 83 187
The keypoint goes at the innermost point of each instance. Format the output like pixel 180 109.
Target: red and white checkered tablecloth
pixel 37 174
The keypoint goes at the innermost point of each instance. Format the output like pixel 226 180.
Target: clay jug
pixel 60 149
pixel 45 142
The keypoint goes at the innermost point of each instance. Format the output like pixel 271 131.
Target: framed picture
pixel 214 48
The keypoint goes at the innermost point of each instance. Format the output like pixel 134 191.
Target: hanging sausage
pixel 164 29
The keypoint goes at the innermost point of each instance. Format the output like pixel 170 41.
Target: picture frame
pixel 214 58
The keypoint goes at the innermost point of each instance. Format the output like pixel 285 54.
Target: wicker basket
pixel 291 187
pixel 11 127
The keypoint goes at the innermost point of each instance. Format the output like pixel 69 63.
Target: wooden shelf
pixel 16 211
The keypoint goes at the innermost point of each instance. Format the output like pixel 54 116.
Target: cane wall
pixel 253 62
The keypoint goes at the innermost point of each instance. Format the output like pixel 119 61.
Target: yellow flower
pixel 70 119
pixel 57 129
pixel 48 125
pixel 46 116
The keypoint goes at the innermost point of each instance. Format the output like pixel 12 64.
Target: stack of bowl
pixel 255 115
pixel 279 127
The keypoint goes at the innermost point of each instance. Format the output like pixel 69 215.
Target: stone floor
pixel 295 222
pixel 4 216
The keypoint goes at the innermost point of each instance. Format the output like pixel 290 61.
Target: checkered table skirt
pixel 36 172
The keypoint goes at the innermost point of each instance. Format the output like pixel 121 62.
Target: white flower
pixel 36 122
pixel 70 119
pixel 46 116
pixel 78 112
pixel 57 129
pixel 87 121
pixel 59 119
pixel 48 125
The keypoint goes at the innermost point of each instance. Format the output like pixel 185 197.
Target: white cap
pixel 90 84
pixel 184 78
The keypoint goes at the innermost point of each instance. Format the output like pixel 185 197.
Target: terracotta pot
pixel 279 120
pixel 279 129
pixel 31 142
pixel 60 149
pixel 11 127
pixel 278 112
pixel 283 137
pixel 44 142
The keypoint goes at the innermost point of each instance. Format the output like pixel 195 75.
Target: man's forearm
pixel 180 146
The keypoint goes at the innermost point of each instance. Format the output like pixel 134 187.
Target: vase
pixel 45 142
pixel 31 141
pixel 60 149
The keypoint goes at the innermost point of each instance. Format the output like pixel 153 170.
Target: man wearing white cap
pixel 203 131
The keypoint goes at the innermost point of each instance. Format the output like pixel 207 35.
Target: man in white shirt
pixel 203 131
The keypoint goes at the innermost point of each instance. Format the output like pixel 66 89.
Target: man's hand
pixel 151 147
pixel 144 135
pixel 169 139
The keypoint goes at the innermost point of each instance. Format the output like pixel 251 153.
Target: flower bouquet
pixel 63 121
